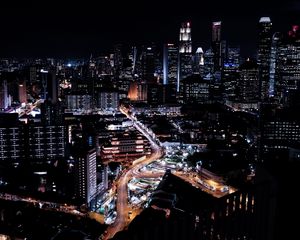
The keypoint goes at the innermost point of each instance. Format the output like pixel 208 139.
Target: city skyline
pixel 150 120
pixel 64 30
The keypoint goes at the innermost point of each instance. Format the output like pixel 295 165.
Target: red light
pixel 295 28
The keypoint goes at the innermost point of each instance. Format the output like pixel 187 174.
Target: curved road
pixel 133 171
pixel 122 197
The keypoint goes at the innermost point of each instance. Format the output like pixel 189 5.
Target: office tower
pixel 230 77
pixel 32 74
pixel 198 63
pixel 170 64
pixel 216 45
pixel 22 91
pixel 185 52
pixel 108 100
pixel 185 38
pixel 128 65
pixel 247 86
pixel 288 65
pixel 148 57
pixel 118 59
pixel 49 85
pixel 132 57
pixel 195 89
pixel 264 55
pixel 208 62
pixel 276 38
pixel 86 175
pixel 103 66
pixel 3 95
pixel 142 92
pixel 230 73
pixel 233 55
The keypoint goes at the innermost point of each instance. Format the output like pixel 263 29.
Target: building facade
pixel 264 55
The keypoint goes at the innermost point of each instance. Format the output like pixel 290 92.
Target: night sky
pixel 55 29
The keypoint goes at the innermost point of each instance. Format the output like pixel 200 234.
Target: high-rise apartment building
pixel 86 175
pixel 46 142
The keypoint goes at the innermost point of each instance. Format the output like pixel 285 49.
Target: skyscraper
pixel 22 91
pixel 288 65
pixel 185 38
pixel 3 94
pixel 274 62
pixel 208 62
pixel 185 52
pixel 264 55
pixel 247 87
pixel 50 85
pixel 230 72
pixel 198 67
pixel 148 56
pixel 216 45
pixel 170 64
pixel 86 173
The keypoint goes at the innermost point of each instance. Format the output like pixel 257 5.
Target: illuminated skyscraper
pixel 3 94
pixel 148 57
pixel 185 38
pixel 185 52
pixel 216 45
pixel 208 62
pixel 274 63
pixel 86 173
pixel 22 91
pixel 198 67
pixel 170 64
pixel 264 55
pixel 289 65
pixel 247 86
pixel 230 72
pixel 50 85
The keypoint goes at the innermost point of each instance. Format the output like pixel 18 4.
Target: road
pixel 30 108
pixel 122 191
pixel 59 207
pixel 123 207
